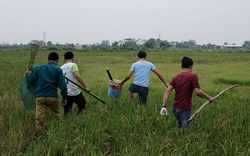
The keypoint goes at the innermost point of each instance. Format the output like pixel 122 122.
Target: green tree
pixel 164 44
pixel 129 44
pixel 49 43
pixel 115 45
pixel 104 46
pixel 41 43
pixel 191 44
pixel 246 45
pixel 150 44
pixel 207 46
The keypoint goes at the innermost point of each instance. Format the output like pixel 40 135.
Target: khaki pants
pixel 41 104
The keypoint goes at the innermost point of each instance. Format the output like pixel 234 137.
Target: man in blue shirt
pixel 47 78
pixel 142 69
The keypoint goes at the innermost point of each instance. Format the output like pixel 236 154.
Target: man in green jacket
pixel 47 78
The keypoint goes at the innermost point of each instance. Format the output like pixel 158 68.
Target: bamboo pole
pixel 207 102
pixel 34 49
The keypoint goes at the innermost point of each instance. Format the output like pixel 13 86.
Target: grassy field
pixel 222 128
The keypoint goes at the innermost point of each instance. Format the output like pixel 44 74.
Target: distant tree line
pixel 128 44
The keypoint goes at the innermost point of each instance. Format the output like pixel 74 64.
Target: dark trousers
pixel 142 92
pixel 79 100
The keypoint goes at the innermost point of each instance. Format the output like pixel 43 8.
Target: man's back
pixel 48 78
pixel 184 84
pixel 68 70
pixel 142 71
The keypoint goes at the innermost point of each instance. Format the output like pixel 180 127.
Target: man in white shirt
pixel 142 69
pixel 70 70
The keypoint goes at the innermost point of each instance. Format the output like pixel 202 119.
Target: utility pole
pixel 44 38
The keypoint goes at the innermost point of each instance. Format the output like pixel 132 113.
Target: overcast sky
pixel 91 21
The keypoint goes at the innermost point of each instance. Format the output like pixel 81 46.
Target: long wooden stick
pixel 207 102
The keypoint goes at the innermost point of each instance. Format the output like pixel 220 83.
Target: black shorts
pixel 142 92
pixel 79 100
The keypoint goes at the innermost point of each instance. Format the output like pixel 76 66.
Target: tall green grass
pixel 222 128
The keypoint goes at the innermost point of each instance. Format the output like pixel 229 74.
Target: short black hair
pixel 142 54
pixel 186 62
pixel 53 56
pixel 68 55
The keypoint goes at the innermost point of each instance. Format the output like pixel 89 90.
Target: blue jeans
pixel 182 116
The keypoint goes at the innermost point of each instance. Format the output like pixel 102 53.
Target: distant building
pixel 232 47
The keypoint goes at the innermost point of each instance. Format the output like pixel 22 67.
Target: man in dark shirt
pixel 184 84
pixel 47 78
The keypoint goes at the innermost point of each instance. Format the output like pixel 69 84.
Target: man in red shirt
pixel 184 84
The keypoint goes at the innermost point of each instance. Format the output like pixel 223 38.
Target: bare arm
pixel 166 95
pixel 80 80
pixel 157 72
pixel 127 77
pixel 201 94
